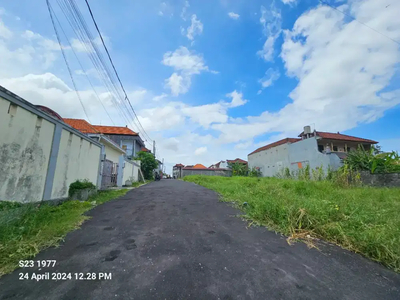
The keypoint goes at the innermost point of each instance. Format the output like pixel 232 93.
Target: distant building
pixel 315 149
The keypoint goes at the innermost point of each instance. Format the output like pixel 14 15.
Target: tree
pixel 238 169
pixel 147 163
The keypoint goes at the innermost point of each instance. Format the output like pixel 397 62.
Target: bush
pixel 148 164
pixel 80 185
pixel 361 159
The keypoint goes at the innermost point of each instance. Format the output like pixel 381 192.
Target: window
pixel 335 148
pixel 320 148
pixel 124 147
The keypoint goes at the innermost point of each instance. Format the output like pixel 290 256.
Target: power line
pixel 65 59
pixel 83 69
pixel 96 60
pixel 347 15
pixel 116 73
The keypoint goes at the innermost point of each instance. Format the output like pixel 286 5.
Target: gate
pixel 109 174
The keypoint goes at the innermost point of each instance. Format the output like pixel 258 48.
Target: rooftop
pixel 81 125
pixel 342 137
pixel 275 144
pixel 117 130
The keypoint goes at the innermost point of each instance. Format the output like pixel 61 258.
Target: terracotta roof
pixel 343 137
pixel 278 143
pixel 179 165
pixel 81 125
pixel 118 130
pixel 144 149
pixel 237 160
pixel 199 166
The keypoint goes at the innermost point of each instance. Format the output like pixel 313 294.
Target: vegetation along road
pixel 176 240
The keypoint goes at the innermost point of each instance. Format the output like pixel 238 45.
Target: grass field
pixel 362 219
pixel 27 229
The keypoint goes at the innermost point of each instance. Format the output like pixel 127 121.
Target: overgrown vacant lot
pixel 26 229
pixel 361 219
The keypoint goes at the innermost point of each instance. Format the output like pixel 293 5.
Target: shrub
pixel 80 185
pixel 147 164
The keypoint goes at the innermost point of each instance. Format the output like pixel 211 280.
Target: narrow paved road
pixel 174 240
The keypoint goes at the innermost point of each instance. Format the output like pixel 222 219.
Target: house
pixel 237 161
pixel 127 139
pixel 315 149
pixel 115 170
pixel 177 170
pixel 219 165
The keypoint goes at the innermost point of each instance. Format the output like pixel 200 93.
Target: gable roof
pixel 179 165
pixel 81 125
pixel 199 166
pixel 117 130
pixel 144 149
pixel 342 137
pixel 237 160
pixel 275 144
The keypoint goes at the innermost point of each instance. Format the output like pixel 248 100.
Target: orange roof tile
pixel 199 166
pixel 81 125
pixel 278 143
pixel 144 149
pixel 118 130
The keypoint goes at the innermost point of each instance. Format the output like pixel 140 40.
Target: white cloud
pixel 196 28
pixel 237 99
pixel 186 64
pixel 289 1
pixel 178 84
pixel 342 68
pixel 184 10
pixel 271 75
pixel 4 31
pixel 160 97
pixel 233 15
pixel 165 9
pixel 200 151
pixel 271 21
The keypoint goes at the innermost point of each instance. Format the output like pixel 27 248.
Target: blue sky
pixel 214 80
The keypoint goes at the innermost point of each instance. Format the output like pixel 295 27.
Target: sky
pixel 216 79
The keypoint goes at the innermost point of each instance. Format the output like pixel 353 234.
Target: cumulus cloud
pixel 233 15
pixel 184 10
pixel 160 97
pixel 271 22
pixel 289 1
pixel 186 63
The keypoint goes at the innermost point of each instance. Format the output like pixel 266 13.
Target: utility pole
pixel 154 148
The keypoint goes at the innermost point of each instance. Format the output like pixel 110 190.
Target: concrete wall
pixel 112 153
pixel 306 152
pixel 380 180
pixel 77 159
pixel 130 171
pixel 271 161
pixel 25 144
pixel 293 156
pixel 208 172
pixel 39 154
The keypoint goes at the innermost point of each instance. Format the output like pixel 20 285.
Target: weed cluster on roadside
pixel 26 229
pixel 80 185
pixel 362 219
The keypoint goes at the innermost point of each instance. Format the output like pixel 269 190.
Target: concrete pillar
pixel 120 175
pixel 102 156
pixel 51 170
pixel 134 148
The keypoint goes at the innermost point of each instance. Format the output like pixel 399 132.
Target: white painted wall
pixel 130 171
pixel 25 144
pixel 77 159
pixel 112 153
pixel 270 161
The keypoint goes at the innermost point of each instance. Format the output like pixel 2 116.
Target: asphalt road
pixel 175 240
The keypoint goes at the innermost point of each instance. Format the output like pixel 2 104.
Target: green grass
pixel 362 219
pixel 26 229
